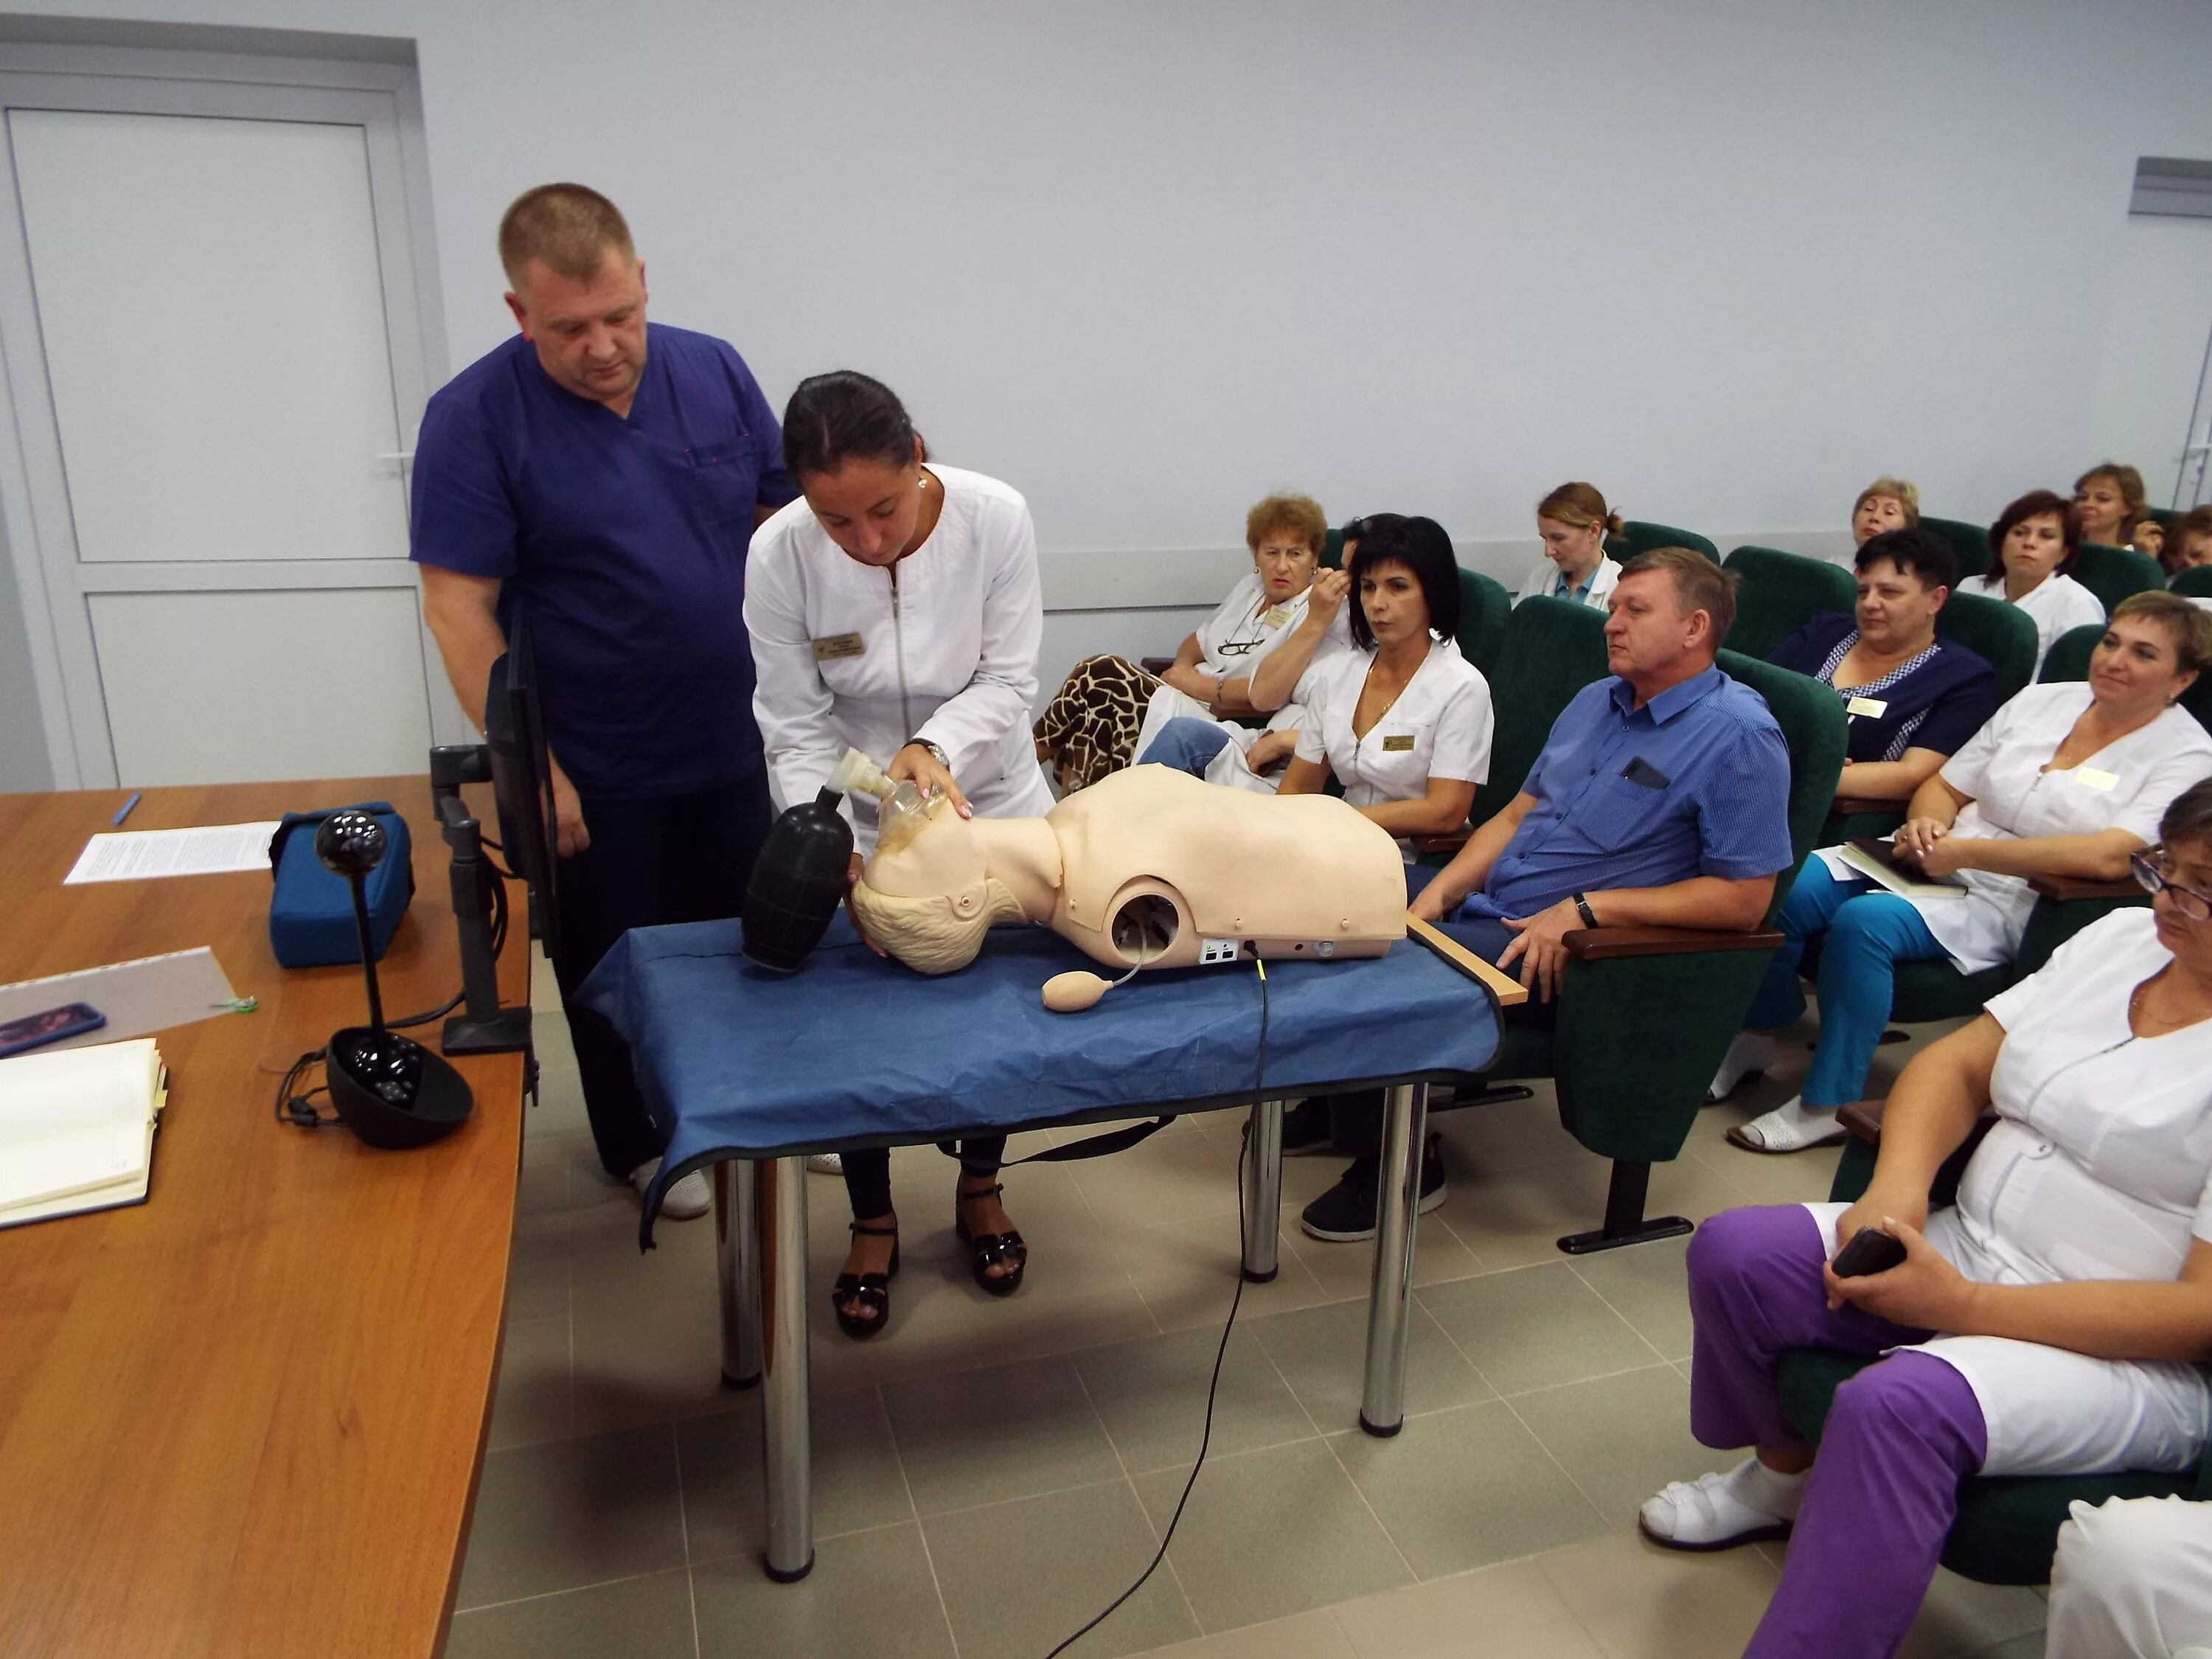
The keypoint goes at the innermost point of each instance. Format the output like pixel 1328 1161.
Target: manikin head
pixel 578 291
pixel 930 902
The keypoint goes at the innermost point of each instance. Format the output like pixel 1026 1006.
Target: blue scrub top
pixel 623 540
pixel 1694 783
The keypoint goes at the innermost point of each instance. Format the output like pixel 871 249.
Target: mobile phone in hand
pixel 1870 1251
pixel 50 1026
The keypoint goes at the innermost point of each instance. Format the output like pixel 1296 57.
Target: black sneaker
pixel 1345 1215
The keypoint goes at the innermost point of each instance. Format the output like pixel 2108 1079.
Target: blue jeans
pixel 1868 932
pixel 1187 744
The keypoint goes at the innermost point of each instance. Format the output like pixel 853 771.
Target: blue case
pixel 310 911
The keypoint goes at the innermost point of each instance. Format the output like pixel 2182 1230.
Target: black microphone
pixel 388 1089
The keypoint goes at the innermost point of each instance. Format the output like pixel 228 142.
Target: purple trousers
pixel 1899 1439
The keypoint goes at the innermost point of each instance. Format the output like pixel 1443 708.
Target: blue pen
pixel 125 812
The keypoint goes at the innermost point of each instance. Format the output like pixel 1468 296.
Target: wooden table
pixel 247 1416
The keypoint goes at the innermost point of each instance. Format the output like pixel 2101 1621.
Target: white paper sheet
pixel 138 854
pixel 139 997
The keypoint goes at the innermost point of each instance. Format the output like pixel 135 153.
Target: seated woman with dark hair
pixel 2067 778
pixel 2052 1323
pixel 2035 541
pixel 2189 544
pixel 1398 716
pixel 2109 500
pixel 1108 707
pixel 1911 699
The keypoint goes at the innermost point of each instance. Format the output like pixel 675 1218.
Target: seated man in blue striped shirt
pixel 1661 798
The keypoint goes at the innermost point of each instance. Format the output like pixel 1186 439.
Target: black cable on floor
pixel 1213 1386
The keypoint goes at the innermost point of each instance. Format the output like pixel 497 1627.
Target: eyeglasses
pixel 2149 869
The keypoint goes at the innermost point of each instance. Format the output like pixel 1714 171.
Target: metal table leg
pixel 1404 1127
pixel 1263 1189
pixel 737 1260
pixel 786 1438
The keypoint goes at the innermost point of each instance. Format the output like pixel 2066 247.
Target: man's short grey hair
pixel 1699 585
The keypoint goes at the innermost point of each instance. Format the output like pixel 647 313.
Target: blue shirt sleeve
pixel 462 516
pixel 776 487
pixel 1743 806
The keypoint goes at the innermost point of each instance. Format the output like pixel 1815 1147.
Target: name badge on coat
pixel 832 646
pixel 1872 707
pixel 1400 743
pixel 1276 616
pixel 2090 778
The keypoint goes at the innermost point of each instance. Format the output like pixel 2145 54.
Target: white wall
pixel 1728 259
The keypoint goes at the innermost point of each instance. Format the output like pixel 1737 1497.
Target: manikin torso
pixel 1150 866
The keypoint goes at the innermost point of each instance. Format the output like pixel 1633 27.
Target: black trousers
pixel 680 858
pixel 1355 1120
pixel 868 1174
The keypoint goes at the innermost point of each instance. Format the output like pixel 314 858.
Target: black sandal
pixel 872 1291
pixel 990 1250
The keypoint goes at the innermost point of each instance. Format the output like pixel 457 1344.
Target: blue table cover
pixel 854 1050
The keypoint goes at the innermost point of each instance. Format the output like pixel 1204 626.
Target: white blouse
pixel 1543 582
pixel 2055 604
pixel 1439 727
pixel 2099 1167
pixel 942 646
pixel 2126 785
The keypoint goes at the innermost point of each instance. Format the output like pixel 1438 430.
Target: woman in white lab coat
pixel 895 609
pixel 1109 709
pixel 2036 540
pixel 2049 1324
pixel 1573 522
pixel 2067 780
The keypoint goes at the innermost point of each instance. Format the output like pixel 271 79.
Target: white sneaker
pixel 824 1164
pixel 1792 1126
pixel 1750 1503
pixel 688 1197
pixel 1749 1055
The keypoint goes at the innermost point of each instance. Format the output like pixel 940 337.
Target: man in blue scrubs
pixel 1662 799
pixel 602 479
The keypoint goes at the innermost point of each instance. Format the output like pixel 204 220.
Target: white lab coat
pixel 2127 786
pixel 2133 1580
pixel 943 646
pixel 1232 642
pixel 2054 605
pixel 1543 582
pixel 2099 1166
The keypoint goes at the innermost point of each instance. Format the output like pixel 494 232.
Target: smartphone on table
pixel 33 1030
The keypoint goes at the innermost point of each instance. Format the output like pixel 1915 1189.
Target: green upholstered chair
pixel 1638 537
pixel 2007 1529
pixel 2194 583
pixel 1780 593
pixel 1550 649
pixel 1645 1013
pixel 1484 607
pixel 1332 550
pixel 1970 542
pixel 2113 573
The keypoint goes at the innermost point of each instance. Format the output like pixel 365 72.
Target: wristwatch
pixel 1588 915
pixel 946 760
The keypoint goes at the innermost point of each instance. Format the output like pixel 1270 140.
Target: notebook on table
pixel 1879 860
pixel 76 1129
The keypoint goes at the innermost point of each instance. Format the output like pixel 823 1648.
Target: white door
pixel 2146 412
pixel 215 369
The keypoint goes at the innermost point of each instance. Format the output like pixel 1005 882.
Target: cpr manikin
pixel 1147 868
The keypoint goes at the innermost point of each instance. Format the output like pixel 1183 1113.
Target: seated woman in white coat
pixel 1109 709
pixel 2067 778
pixel 1573 521
pixel 2049 1324
pixel 2035 541
pixel 895 609
pixel 1399 717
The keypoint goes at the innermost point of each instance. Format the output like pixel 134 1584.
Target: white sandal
pixel 1707 1514
pixel 1792 1126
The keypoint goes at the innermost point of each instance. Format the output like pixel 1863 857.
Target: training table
pixel 756 1069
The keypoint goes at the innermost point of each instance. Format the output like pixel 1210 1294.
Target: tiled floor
pixel 988 1475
